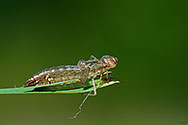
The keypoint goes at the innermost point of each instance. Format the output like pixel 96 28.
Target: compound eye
pixel 106 60
pixel 115 60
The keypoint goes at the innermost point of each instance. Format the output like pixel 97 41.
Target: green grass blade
pixel 65 87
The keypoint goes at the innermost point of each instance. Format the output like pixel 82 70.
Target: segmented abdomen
pixel 55 74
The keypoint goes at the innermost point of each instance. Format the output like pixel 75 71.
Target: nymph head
pixel 109 61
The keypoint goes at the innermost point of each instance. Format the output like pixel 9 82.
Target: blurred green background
pixel 148 37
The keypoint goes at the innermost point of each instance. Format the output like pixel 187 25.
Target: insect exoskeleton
pixel 83 70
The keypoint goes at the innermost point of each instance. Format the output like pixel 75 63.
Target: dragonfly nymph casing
pixel 83 70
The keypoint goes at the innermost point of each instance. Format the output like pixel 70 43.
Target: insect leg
pixel 92 57
pixel 107 75
pixel 95 92
pixel 80 107
pixel 81 63
pixel 98 85
pixel 84 71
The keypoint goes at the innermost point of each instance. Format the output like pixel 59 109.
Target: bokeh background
pixel 148 37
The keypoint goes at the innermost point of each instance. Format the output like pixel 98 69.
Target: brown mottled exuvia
pixel 83 70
